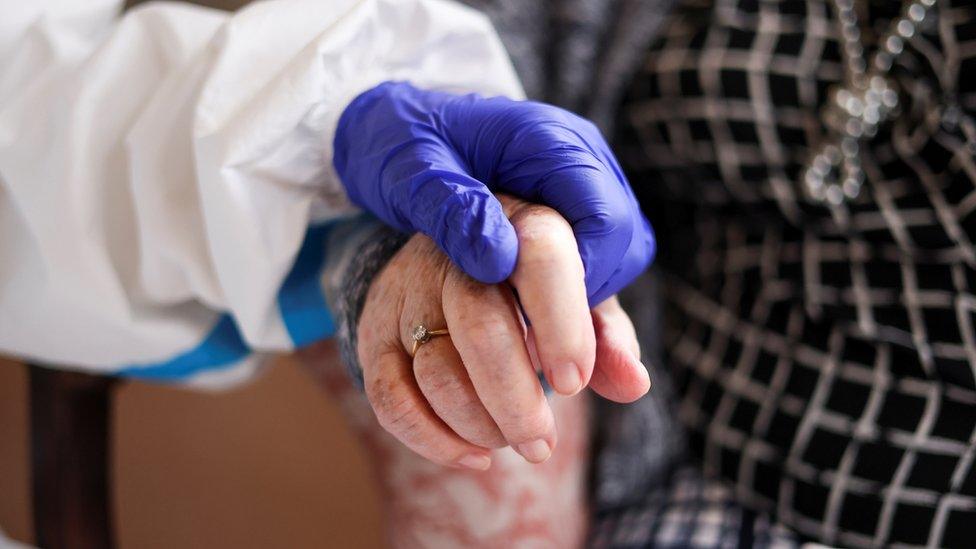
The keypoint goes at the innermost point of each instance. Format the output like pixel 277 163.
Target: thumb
pixel 618 374
pixel 463 217
pixel 392 159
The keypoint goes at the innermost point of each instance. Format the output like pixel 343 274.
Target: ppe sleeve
pixel 167 196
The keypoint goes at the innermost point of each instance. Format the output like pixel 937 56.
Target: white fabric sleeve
pixel 166 176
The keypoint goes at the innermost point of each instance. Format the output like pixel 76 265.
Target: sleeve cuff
pixel 352 279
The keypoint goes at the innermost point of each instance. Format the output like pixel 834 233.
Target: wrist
pixel 356 278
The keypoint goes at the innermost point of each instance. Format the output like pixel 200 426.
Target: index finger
pixel 551 287
pixel 569 167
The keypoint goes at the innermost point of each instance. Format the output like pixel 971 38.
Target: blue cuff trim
pixel 222 347
pixel 303 308
pixel 301 301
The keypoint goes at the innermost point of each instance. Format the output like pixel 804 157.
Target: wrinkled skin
pixel 477 389
pixel 515 503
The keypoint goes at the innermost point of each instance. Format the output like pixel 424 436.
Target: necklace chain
pixel 860 104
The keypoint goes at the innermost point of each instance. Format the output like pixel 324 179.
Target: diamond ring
pixel 421 334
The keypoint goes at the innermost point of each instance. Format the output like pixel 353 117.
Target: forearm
pixel 164 175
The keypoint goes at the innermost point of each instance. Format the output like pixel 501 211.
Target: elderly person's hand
pixel 477 388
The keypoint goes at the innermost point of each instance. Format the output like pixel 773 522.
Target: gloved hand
pixel 429 161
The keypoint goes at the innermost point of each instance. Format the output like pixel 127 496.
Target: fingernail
pixel 566 378
pixel 536 451
pixel 477 462
pixel 646 372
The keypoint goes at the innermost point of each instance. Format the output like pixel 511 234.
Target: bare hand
pixel 478 389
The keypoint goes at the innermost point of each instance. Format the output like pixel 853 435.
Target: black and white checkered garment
pixel 688 512
pixel 824 357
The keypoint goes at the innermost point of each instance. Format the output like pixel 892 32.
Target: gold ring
pixel 421 334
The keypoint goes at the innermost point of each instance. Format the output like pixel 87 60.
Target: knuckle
pixel 435 380
pixel 395 412
pixel 531 215
pixel 491 325
pixel 490 331
pixel 366 345
pixel 377 393
pixel 400 417
pixel 541 229
pixel 482 310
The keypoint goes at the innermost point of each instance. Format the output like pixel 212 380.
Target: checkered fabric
pixel 824 356
pixel 689 512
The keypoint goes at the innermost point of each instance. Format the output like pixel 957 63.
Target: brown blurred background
pixel 270 464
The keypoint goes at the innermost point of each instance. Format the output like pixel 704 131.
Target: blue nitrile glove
pixel 429 161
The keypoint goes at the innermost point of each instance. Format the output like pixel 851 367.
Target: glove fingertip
pixel 640 255
pixel 650 241
pixel 492 260
pixel 476 234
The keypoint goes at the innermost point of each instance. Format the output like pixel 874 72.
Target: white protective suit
pixel 168 206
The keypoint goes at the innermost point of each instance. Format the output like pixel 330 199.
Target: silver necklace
pixel 859 105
